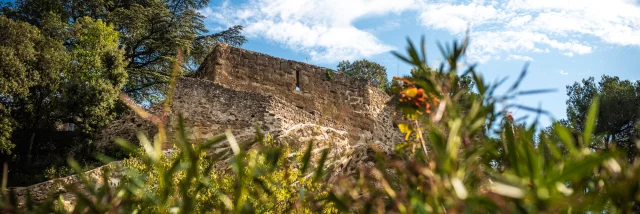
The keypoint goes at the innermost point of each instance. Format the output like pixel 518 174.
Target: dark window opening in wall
pixel 297 80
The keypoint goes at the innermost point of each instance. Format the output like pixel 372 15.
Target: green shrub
pixel 328 75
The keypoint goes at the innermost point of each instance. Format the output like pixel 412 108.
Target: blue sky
pixel 564 40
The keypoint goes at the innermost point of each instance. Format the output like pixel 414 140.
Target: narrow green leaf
pixel 566 138
pixel 306 158
pixel 510 146
pixel 424 49
pixel 262 185
pixel 211 142
pixel 523 73
pixel 403 58
pixel 537 91
pixel 591 120
pixel 232 142
pixel 580 168
pixel 551 146
pixel 320 166
pixel 125 145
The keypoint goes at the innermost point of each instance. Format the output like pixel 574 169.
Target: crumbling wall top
pixel 309 87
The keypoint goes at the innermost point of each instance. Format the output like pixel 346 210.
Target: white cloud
pixel 385 26
pixel 563 73
pixel 517 27
pixel 458 18
pixel 508 29
pixel 490 45
pixel 322 29
pixel 519 57
pixel 519 21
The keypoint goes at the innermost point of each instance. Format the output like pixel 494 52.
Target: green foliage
pixel 328 75
pixel 459 174
pixel 457 170
pixel 373 72
pixel 150 32
pixel 17 54
pixel 261 180
pixel 617 118
pixel 72 77
pixel 64 62
pixel 6 127
pixel 96 74
pixel 30 65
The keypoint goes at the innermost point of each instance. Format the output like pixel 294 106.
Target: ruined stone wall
pixel 238 89
pixel 210 109
pixel 384 114
pixel 64 187
pixel 337 100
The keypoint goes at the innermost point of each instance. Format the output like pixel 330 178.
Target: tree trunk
pixel 33 136
pixel 34 126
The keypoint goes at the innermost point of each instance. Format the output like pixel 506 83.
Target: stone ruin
pixel 241 90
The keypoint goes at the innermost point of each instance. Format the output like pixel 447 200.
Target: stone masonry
pixel 332 99
pixel 240 90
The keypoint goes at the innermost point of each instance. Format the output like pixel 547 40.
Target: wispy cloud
pixel 519 57
pixel 385 26
pixel 524 26
pixel 322 29
pixel 563 73
pixel 507 30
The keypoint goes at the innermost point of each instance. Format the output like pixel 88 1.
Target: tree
pixel 46 83
pixel 373 72
pixel 150 31
pixel 63 62
pixel 95 77
pixel 618 114
pixel 58 74
pixel 29 64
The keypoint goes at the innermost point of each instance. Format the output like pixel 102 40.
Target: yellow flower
pixel 410 92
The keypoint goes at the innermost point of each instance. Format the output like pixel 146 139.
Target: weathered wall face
pixel 208 109
pixel 384 115
pixel 340 101
pixel 238 89
pixel 212 109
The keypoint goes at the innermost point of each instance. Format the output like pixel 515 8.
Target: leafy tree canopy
pixel 151 31
pixel 48 83
pixel 373 72
pixel 618 115
pixel 29 64
pixel 63 63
